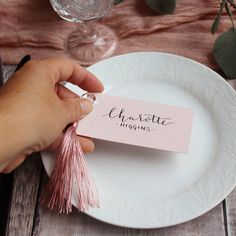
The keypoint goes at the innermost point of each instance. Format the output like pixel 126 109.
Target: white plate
pixel 144 188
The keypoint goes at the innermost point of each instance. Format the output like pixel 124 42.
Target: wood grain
pixel 50 223
pixel 5 196
pixel 231 213
pixel 26 181
pixel 5 180
pixel 24 197
pixel 25 187
pixel 7 71
pixel 230 202
pixel 26 217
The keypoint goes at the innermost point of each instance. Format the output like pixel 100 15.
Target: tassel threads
pixel 70 169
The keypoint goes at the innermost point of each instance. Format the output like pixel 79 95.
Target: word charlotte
pixel 137 122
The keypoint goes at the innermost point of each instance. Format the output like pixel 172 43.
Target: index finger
pixel 68 70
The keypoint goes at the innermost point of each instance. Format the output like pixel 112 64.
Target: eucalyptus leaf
pixel 216 22
pixel 118 1
pixel 162 6
pixel 225 52
pixel 232 3
pixel 229 12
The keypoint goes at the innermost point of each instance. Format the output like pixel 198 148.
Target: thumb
pixel 77 108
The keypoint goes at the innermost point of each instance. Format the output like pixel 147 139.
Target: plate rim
pixel 216 76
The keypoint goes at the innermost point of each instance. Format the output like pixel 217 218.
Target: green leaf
pixel 216 22
pixel 229 12
pixel 225 52
pixel 232 3
pixel 118 1
pixel 162 6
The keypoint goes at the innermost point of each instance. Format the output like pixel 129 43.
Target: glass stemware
pixel 91 42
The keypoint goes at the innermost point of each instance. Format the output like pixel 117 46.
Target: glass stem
pixel 89 34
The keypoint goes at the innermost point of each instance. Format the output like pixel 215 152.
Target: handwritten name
pixel 145 118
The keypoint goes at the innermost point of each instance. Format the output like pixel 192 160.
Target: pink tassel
pixel 70 168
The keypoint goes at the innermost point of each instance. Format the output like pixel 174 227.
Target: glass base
pixel 91 48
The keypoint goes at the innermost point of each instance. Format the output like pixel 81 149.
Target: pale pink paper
pixel 174 135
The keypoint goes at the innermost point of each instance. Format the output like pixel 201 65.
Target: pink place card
pixel 140 123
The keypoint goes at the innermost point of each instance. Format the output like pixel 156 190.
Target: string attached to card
pixel 70 170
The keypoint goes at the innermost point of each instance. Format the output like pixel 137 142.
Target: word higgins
pixel 141 120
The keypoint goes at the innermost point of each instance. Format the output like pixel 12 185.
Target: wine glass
pixel 91 42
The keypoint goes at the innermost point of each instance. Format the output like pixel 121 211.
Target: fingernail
pixel 86 106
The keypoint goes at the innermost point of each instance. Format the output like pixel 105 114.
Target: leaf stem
pixel 229 12
pixel 216 22
pixel 232 3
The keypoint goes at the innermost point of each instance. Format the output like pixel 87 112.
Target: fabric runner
pixel 32 27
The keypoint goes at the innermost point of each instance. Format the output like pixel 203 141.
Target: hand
pixel 35 108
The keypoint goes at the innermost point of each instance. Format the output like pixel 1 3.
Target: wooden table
pixel 26 217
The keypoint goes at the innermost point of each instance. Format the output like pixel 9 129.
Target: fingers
pixel 62 70
pixel 74 105
pixel 10 167
pixel 64 92
pixel 76 108
pixel 67 70
pixel 87 144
